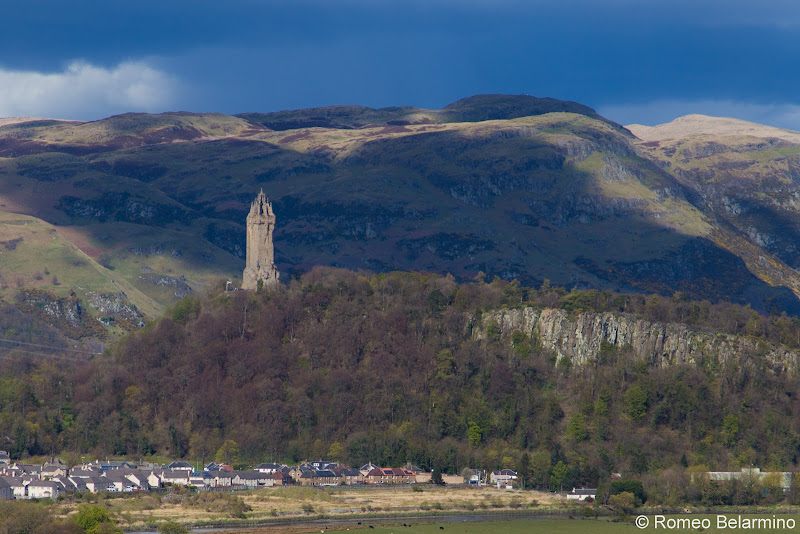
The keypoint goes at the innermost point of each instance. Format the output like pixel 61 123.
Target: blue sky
pixel 645 61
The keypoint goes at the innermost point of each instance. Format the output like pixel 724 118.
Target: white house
pixel 178 477
pixel 44 489
pixel 153 480
pixel 582 494
pixel 253 479
pixel 18 486
pixel 268 468
pixel 95 484
pixel 121 483
pixel 180 466
pixel 504 477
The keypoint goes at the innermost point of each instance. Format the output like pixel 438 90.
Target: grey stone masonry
pixel 260 264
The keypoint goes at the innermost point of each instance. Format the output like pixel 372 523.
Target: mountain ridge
pixel 561 195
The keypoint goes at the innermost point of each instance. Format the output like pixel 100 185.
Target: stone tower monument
pixel 260 253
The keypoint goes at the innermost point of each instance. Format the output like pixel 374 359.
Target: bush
pixel 224 503
pixel 623 502
pixel 171 527
pixel 95 519
pixel 634 487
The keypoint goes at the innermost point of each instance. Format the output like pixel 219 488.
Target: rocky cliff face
pixel 67 314
pixel 579 338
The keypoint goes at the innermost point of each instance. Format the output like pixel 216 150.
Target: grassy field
pixel 297 504
pixel 514 526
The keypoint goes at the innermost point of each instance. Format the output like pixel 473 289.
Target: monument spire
pixel 260 263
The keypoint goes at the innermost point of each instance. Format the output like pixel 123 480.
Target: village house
pixel 282 478
pixel 50 471
pixel 349 476
pixel 503 477
pixel 321 477
pixel 471 476
pixel 85 471
pixel 95 483
pixel 582 494
pixel 137 476
pixel 321 464
pixel 366 468
pixel 179 477
pixel 79 484
pixel 67 484
pixel 388 475
pixel 268 468
pixel 115 465
pixel 297 472
pixel 222 478
pixel 153 480
pixel 180 466
pixel 21 470
pixel 44 489
pixel 6 491
pixel 32 470
pixel 214 466
pixel 18 486
pixel 200 479
pixel 121 483
pixel 253 479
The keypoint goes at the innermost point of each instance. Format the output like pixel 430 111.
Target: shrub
pixel 171 527
pixel 95 519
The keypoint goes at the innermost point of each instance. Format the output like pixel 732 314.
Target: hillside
pixel 516 187
pixel 746 174
pixel 415 367
pixel 690 125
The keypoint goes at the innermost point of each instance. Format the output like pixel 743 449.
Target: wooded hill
pixel 386 368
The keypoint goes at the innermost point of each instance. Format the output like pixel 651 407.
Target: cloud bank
pixel 85 91
pixel 781 115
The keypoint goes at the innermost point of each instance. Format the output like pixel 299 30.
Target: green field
pixel 555 526
pixel 570 526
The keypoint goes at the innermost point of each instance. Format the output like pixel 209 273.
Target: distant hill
pixel 690 125
pixel 472 109
pixel 516 187
pixel 746 174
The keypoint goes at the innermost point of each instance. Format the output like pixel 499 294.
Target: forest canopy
pixel 387 368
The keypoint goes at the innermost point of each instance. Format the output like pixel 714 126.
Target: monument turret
pixel 260 264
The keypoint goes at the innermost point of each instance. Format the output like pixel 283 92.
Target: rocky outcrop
pixel 116 309
pixel 579 338
pixel 181 287
pixel 67 314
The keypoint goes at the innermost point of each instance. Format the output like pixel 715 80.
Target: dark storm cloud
pixel 247 55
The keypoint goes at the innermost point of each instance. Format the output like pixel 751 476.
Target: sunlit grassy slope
pixel 36 254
